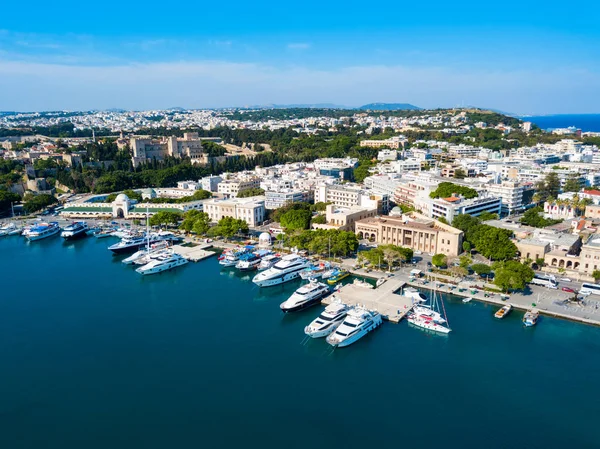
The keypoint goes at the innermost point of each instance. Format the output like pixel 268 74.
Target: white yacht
pixel 414 294
pixel 268 261
pixel 287 269
pixel 7 229
pixel 427 322
pixel 164 262
pixel 362 284
pixel 143 256
pixel 306 296
pixel 328 321
pixel 358 323
pixel 42 231
pixel 248 262
pixel 231 259
pixel 75 230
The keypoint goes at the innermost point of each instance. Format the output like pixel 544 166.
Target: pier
pixel 194 253
pixel 384 299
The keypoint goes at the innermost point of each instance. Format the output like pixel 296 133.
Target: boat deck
pixel 392 307
pixel 194 253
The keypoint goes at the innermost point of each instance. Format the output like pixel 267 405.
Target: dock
pixel 194 253
pixel 384 299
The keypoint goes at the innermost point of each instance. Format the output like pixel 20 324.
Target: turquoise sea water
pixel 585 122
pixel 94 356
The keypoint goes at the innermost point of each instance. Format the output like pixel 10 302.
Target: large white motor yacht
pixel 42 231
pixel 75 230
pixel 268 261
pixel 287 269
pixel 328 321
pixel 164 262
pixel 306 296
pixel 358 323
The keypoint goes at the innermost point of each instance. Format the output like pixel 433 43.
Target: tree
pixel 165 217
pixel 295 219
pixel 485 216
pixel 596 275
pixel 228 227
pixel 246 193
pixel 446 189
pixel 319 206
pixel 201 224
pixel 533 218
pixel 362 171
pixel 319 219
pixel 189 218
pixel 442 220
pixel 481 268
pixel 33 203
pixel 572 184
pixel 549 187
pixel 459 173
pixel 512 275
pixel 439 260
pixel 6 199
pixel 493 243
pixel 466 223
pixel 465 261
pixel 466 246
pixel 459 271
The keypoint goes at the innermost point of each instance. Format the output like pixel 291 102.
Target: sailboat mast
pixel 147 230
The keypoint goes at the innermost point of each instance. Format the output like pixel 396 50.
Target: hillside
pixel 389 107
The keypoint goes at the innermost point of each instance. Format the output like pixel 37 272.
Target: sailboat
pixel 431 316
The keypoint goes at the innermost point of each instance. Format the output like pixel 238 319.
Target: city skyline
pixel 523 59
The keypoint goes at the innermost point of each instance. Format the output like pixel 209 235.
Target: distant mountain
pixel 389 107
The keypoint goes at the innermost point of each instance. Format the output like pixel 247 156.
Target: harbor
pixel 179 341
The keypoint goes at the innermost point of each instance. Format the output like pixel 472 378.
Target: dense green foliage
pixel 362 171
pixel 388 254
pixel 318 219
pixel 165 218
pixel 213 149
pixel 33 203
pixel 320 241
pixel 193 217
pixel 572 183
pixel 196 196
pixel 533 218
pixel 481 268
pixel 246 193
pixel 295 219
pixel 486 216
pixel 6 198
pixel 228 227
pixel 491 242
pixel 439 260
pixel 446 189
pixel 512 275
pixel 548 188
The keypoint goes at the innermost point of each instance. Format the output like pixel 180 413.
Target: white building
pixel 231 188
pixel 210 183
pixel 348 196
pixel 387 155
pixel 511 194
pixel 453 206
pixel 251 210
pixel 275 200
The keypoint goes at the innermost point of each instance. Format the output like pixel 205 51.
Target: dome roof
pixel 264 237
pixel 148 190
pixel 396 211
pixel 122 197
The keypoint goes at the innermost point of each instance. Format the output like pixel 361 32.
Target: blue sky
pixel 524 56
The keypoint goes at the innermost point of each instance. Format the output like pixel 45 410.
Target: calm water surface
pixel 94 356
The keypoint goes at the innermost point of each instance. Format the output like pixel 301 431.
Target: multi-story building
pixel 387 155
pixel 449 208
pixel 392 142
pixel 346 196
pixel 147 149
pixel 251 210
pixel 337 168
pixel 275 200
pixel 417 232
pixel 231 187
pixel 382 184
pixel 511 194
pixel 210 183
pixel 344 218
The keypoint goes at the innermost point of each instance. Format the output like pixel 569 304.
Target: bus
pixel 593 289
pixel 545 281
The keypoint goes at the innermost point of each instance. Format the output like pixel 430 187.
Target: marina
pixel 178 341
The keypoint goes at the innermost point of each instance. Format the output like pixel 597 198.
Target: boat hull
pixel 74 235
pixel 305 305
pixel 36 237
pixel 160 269
pixel 278 280
pixel 375 323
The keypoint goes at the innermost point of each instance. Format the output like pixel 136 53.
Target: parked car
pixel 552 287
pixel 414 261
pixel 565 280
pixel 568 290
pixel 418 252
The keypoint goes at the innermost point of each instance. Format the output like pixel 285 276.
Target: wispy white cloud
pixel 40 86
pixel 298 46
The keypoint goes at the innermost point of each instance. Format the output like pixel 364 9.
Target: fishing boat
pixel 342 274
pixel 502 312
pixel 531 318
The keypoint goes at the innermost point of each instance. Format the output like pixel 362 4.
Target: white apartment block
pixel 451 207
pixel 382 184
pixel 275 200
pixel 387 155
pixel 231 188
pixel 392 142
pixel 344 196
pixel 210 183
pixel 463 150
pixel 251 210
pixel 511 194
